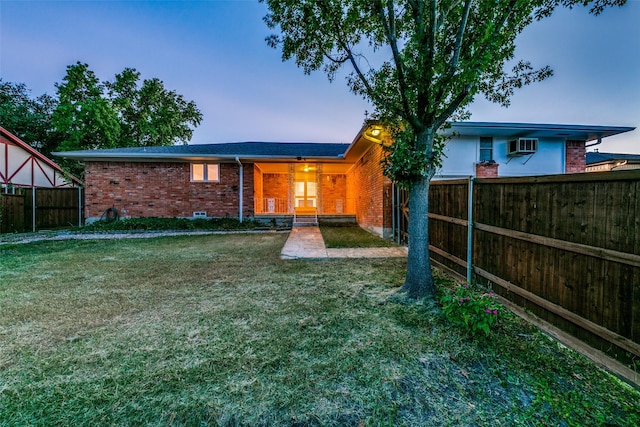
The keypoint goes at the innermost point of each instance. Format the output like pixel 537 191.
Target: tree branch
pixel 452 107
pixel 460 38
pixel 390 32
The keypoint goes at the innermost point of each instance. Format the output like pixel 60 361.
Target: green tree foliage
pixel 88 114
pixel 150 114
pixel 420 63
pixel 84 118
pixel 26 117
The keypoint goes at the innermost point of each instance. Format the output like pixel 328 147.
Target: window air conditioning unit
pixel 522 146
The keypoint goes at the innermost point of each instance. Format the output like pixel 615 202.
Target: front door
pixel 305 194
pixel 305 190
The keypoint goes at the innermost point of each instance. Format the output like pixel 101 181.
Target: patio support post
pixel 241 185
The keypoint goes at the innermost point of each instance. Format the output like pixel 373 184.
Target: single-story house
pixel 283 179
pixel 23 166
pixel 605 162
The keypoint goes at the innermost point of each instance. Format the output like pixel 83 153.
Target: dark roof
pixel 242 150
pixel 597 157
pixel 537 130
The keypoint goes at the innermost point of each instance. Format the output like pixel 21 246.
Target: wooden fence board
pixel 55 208
pixel 571 241
pixel 11 213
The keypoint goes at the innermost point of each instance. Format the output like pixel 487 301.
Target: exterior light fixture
pixel 375 132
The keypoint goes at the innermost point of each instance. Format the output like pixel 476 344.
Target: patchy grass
pixel 351 236
pixel 217 330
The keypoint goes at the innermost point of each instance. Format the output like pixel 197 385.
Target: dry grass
pixel 217 330
pixel 351 236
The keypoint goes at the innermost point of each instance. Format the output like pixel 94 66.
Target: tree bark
pixel 418 282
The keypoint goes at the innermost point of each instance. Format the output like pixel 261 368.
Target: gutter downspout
pixel 241 185
pixel 595 143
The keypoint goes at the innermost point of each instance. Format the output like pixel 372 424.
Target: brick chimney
pixel 575 157
pixel 487 170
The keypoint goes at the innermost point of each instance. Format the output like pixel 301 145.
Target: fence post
pixel 470 232
pixel 33 209
pixel 393 211
pixel 79 206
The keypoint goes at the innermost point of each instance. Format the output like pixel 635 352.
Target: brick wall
pixel 333 188
pixel 276 185
pixel 575 157
pixel 372 192
pixel 258 189
pixel 164 189
pixel 486 170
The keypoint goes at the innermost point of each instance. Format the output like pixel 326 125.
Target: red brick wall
pixel 575 157
pixel 372 192
pixel 258 189
pixel 276 185
pixel 486 170
pixel 333 188
pixel 163 189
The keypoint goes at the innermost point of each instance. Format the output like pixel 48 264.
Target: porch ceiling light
pixel 375 134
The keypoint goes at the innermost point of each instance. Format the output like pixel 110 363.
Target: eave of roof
pixel 20 143
pixel 246 151
pixel 537 130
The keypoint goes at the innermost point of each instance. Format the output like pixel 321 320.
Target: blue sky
pixel 214 53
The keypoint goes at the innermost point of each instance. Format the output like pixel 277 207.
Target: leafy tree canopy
pixel 89 114
pixel 26 117
pixel 420 63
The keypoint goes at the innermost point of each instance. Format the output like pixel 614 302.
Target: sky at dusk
pixel 214 53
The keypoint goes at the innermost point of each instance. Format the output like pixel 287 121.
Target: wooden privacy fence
pixel 54 208
pixel 11 213
pixel 564 247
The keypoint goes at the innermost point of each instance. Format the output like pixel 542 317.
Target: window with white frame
pixel 486 148
pixel 205 172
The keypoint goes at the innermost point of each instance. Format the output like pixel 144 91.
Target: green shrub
pixel 471 308
pixel 159 224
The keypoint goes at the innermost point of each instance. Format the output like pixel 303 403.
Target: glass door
pixel 305 189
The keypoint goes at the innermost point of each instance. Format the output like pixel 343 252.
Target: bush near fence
pixel 565 248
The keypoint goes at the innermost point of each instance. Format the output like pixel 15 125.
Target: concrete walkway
pixel 307 242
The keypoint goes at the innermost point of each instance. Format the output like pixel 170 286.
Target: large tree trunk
pixel 418 282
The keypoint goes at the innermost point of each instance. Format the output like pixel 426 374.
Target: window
pixel 205 172
pixel 486 148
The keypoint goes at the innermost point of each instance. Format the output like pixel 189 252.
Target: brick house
pixel 270 180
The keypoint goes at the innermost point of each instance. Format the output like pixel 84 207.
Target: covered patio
pixel 303 188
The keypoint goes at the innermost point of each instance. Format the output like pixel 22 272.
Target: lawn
pixel 351 236
pixel 217 330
